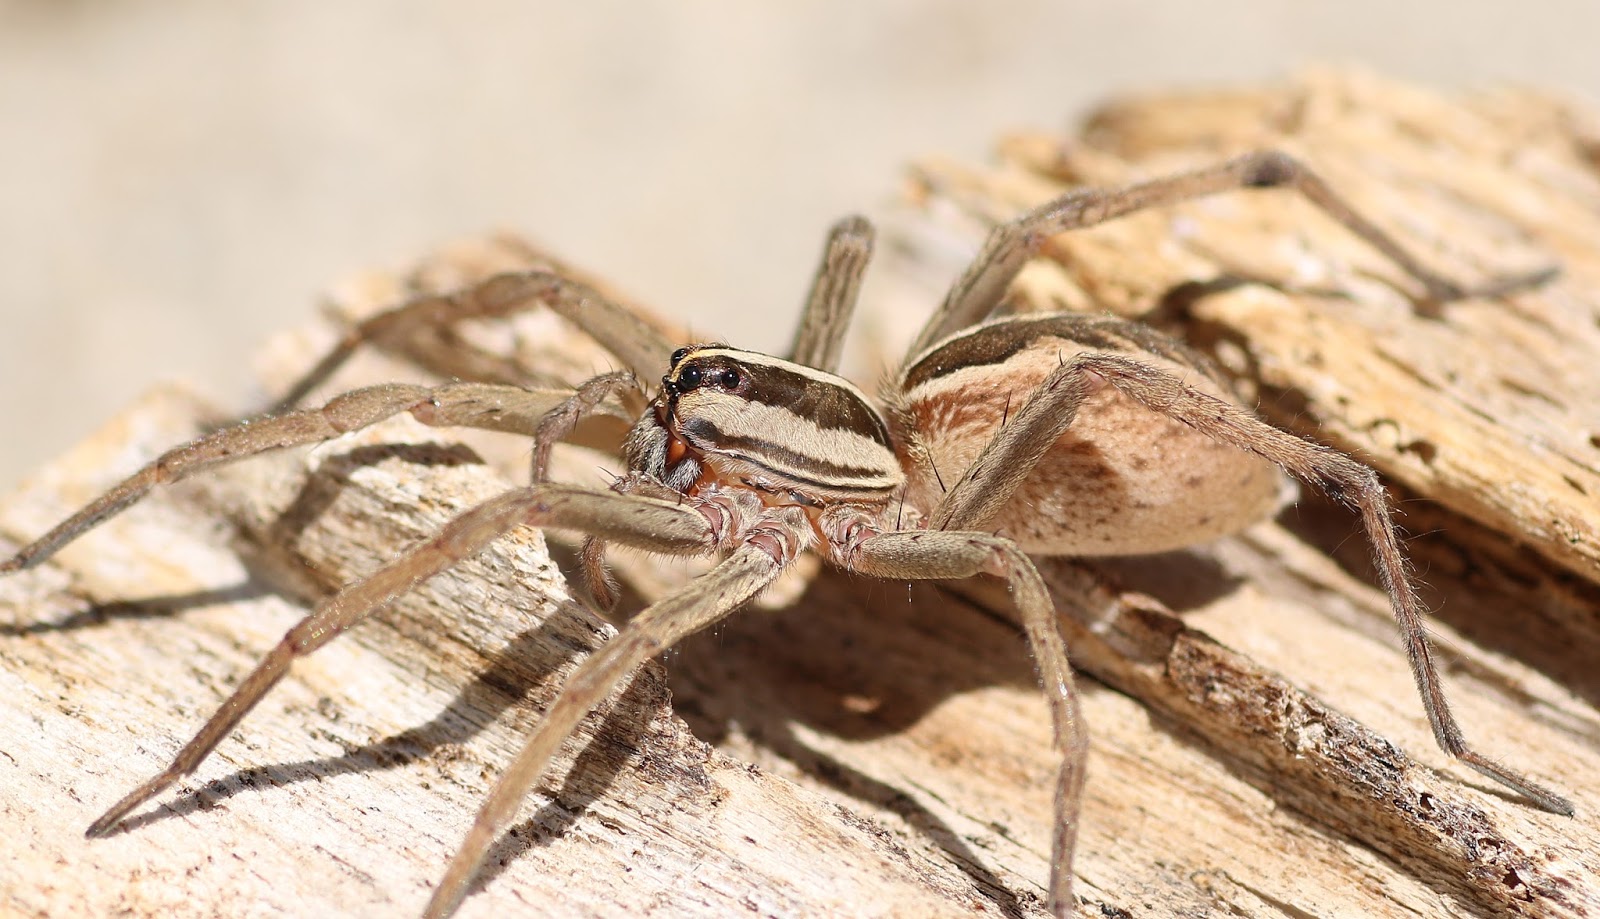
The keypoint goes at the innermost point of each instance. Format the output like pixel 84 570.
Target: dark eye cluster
pixel 694 377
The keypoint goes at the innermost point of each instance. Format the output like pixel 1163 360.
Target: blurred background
pixel 180 178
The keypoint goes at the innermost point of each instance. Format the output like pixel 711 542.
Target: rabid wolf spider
pixel 998 438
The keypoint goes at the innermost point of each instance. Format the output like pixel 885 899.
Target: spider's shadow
pixel 498 688
pixel 155 607
pixel 511 672
pixel 268 575
pixel 850 639
pixel 860 658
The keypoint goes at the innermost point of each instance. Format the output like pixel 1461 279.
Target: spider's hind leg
pixel 1357 487
pixel 983 284
pixel 922 555
pixel 1016 448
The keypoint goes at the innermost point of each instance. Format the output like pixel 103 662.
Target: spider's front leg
pixel 652 525
pixel 550 414
pixel 636 342
pixel 764 545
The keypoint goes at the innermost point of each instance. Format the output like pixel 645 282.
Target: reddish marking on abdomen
pixel 968 409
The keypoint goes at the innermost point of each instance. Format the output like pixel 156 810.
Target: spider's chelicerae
pixel 1068 434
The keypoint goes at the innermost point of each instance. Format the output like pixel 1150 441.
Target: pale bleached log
pixel 879 750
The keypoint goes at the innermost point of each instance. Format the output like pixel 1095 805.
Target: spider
pixel 1000 437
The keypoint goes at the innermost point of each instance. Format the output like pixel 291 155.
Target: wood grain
pixel 855 747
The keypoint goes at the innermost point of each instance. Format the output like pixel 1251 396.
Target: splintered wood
pixel 854 747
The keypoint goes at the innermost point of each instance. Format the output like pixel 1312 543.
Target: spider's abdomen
pixel 1121 480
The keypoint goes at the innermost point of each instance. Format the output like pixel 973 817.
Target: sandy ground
pixel 179 178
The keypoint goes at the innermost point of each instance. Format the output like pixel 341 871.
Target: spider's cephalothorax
pixel 794 434
pixel 1053 435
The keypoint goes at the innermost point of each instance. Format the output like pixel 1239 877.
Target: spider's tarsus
pixel 1537 795
pixel 1441 290
pixel 109 820
pixel 1556 804
pixel 1517 283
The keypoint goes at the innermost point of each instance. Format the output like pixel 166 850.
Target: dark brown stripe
pixel 822 404
pixel 706 436
pixel 998 343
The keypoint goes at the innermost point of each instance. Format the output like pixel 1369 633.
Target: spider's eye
pixel 729 379
pixel 690 378
pixel 677 356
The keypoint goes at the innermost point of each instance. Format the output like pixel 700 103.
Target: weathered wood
pixel 879 750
